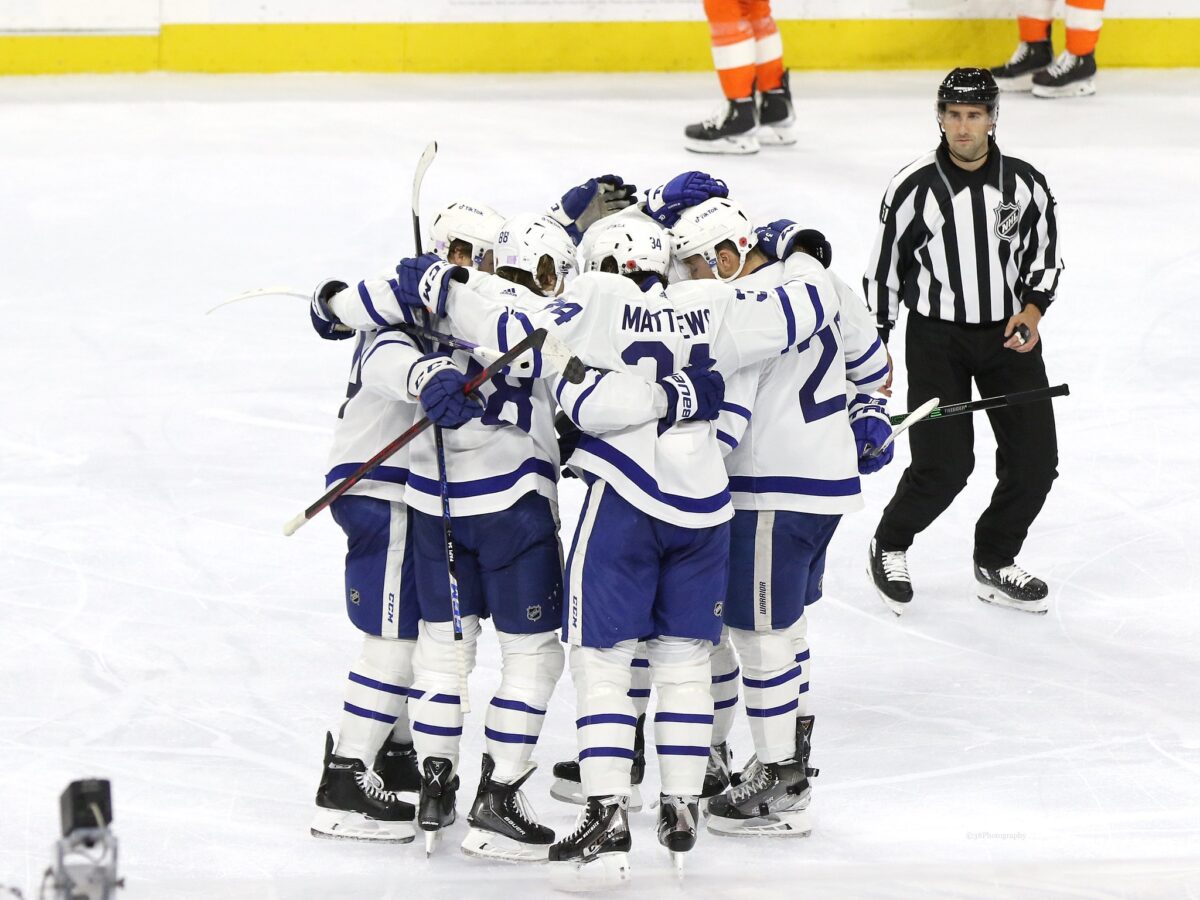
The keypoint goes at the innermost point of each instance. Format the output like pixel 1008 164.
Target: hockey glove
pixel 582 207
pixel 665 203
pixel 438 384
pixel 692 393
pixel 871 426
pixel 425 281
pixel 324 322
pixel 783 237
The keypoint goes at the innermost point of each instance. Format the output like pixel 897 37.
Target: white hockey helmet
pixel 524 240
pixel 634 244
pixel 702 227
pixel 473 223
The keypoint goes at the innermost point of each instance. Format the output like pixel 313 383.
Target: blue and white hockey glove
pixel 871 426
pixel 438 384
pixel 692 393
pixel 783 237
pixel 665 203
pixel 324 322
pixel 582 207
pixel 425 281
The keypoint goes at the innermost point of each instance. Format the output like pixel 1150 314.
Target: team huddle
pixel 722 424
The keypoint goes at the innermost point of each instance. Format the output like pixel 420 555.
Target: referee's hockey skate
pixel 888 571
pixel 353 805
pixel 503 826
pixel 1013 587
pixel 436 807
pixel 595 855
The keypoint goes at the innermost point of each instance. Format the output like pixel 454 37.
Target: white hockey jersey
pixel 785 417
pixel 377 410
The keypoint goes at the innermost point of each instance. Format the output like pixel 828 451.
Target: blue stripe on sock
pixel 728 676
pixel 436 698
pixel 517 705
pixel 773 711
pixel 773 682
pixel 685 718
pixel 369 713
pixel 725 704
pixel 638 692
pixel 611 752
pixel 378 685
pixel 437 729
pixel 507 738
pixel 606 719
pixel 681 750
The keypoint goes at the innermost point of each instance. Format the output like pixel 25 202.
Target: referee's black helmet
pixel 973 86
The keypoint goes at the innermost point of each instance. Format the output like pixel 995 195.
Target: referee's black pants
pixel 942 358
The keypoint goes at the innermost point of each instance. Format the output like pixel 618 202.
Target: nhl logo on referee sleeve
pixel 1008 217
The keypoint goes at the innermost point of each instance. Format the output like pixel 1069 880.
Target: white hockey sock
pixel 724 687
pixel 530 667
pixel 639 683
pixel 683 717
pixel 434 702
pixel 770 674
pixel 799 633
pixel 376 697
pixel 606 719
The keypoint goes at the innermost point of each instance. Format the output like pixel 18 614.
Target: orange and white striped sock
pixel 768 45
pixel 1084 18
pixel 1034 18
pixel 733 47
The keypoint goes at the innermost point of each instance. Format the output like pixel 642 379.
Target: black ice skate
pixel 888 570
pixel 732 131
pixel 436 807
pixel 1028 59
pixel 1013 587
pixel 596 853
pixel 502 824
pixel 568 784
pixel 776 117
pixel 353 805
pixel 397 766
pixel 1069 76
pixel 717 774
pixel 677 820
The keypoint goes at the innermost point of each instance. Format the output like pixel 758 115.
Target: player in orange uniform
pixel 748 55
pixel 1033 66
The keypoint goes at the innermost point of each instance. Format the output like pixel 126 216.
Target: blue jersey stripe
pixel 815 296
pixel 482 486
pixel 391 474
pixel 646 484
pixel 862 359
pixel 726 439
pixel 874 376
pixel 584 394
pixel 736 410
pixel 783 484
pixel 788 315
pixel 365 296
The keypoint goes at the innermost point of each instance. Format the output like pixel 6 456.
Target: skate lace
pixel 717 119
pixel 759 780
pixel 1020 54
pixel 895 565
pixel 524 808
pixel 1014 574
pixel 372 785
pixel 1064 63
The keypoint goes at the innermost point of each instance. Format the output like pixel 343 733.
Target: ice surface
pixel 157 629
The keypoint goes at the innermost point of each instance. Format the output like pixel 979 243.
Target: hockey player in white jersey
pixel 464 233
pixel 794 470
pixel 353 801
pixel 649 555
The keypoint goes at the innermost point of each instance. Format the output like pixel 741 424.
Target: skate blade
pixel 572 792
pixel 1079 89
pixel 1022 84
pixel 331 824
pixel 777 135
pixel 742 145
pixel 677 862
pixel 602 873
pixel 431 841
pixel 481 844
pixel 794 823
pixel 1034 607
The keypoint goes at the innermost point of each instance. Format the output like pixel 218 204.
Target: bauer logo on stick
pixel 1008 217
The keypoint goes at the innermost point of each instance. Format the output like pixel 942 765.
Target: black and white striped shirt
pixel 967 247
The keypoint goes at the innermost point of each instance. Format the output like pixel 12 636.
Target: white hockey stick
pixel 261 292
pixel 921 412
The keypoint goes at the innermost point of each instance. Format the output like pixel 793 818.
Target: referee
pixel 968 241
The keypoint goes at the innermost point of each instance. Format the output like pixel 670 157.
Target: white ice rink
pixel 157 629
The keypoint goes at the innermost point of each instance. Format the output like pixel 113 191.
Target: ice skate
pixel 1029 58
pixel 397 766
pixel 436 807
pixel 352 804
pixel 717 774
pixel 1069 76
pixel 888 571
pixel 568 785
pixel 773 801
pixel 776 117
pixel 678 817
pixel 503 826
pixel 595 855
pixel 734 130
pixel 1013 587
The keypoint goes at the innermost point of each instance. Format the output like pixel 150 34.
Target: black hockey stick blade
pixel 532 341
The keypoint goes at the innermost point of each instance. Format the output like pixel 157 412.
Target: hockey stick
pixel 530 342
pixel 909 420
pixel 973 406
pixel 553 351
pixel 261 292
pixel 464 701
